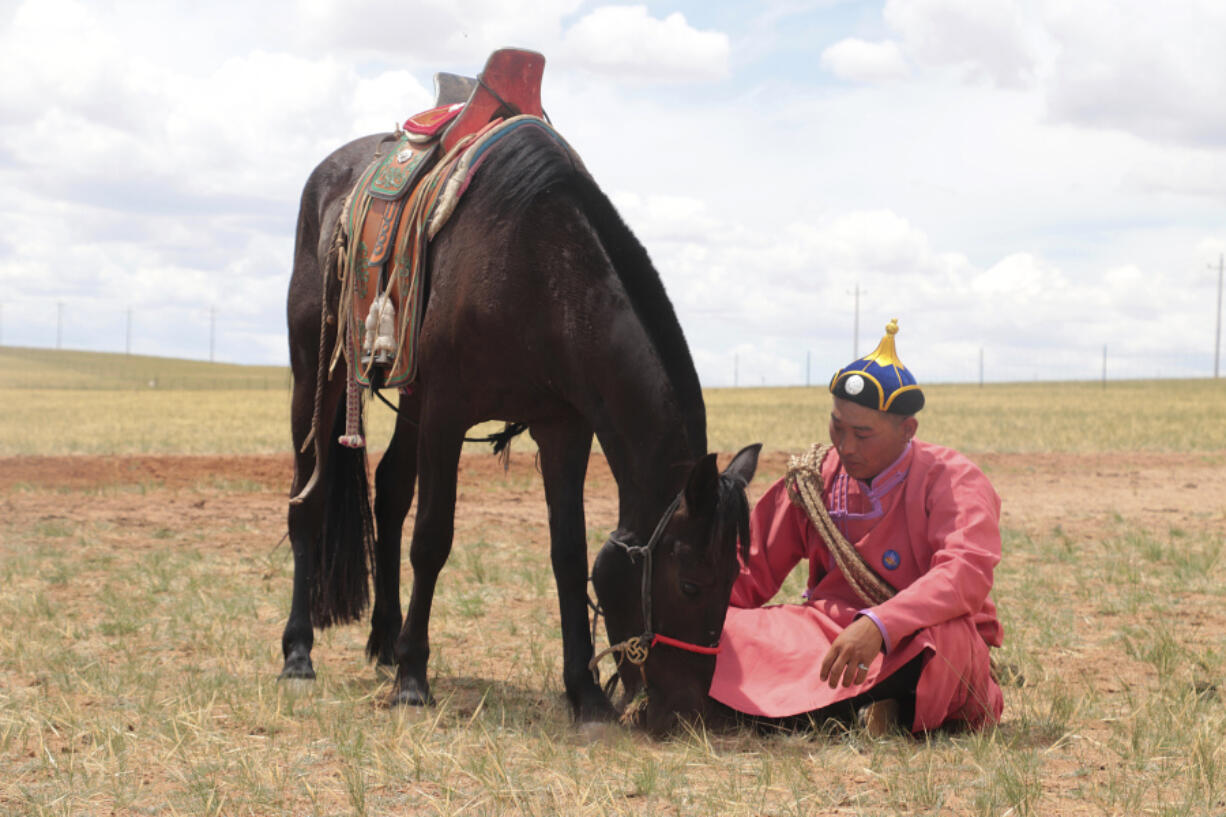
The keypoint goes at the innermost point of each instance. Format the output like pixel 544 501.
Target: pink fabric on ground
pixel 933 534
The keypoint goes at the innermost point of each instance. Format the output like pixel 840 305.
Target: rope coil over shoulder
pixel 804 483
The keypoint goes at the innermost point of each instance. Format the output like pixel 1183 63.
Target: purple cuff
pixel 885 637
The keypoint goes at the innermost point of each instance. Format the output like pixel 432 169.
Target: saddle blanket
pixel 400 203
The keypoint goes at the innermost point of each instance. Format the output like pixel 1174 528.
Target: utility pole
pixel 1217 333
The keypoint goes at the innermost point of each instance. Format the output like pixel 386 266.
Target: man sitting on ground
pixel 901 537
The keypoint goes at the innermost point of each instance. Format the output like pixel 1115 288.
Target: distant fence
pixel 814 368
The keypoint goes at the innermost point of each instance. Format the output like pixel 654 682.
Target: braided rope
pixel 352 438
pixel 804 484
pixel 321 367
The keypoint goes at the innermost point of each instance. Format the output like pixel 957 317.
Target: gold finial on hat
pixel 885 354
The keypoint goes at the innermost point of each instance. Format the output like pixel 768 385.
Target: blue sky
pixel 1031 179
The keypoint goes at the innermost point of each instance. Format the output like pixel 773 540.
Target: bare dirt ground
pixel 1080 493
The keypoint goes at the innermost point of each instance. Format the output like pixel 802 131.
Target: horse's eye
pixel 689 588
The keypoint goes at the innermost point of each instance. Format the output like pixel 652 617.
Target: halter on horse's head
pixel 683 575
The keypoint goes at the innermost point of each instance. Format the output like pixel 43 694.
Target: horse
pixel 673 591
pixel 542 309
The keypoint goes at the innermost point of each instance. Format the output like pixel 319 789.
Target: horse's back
pixel 521 286
pixel 330 181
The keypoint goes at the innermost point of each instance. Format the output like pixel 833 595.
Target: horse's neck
pixel 646 433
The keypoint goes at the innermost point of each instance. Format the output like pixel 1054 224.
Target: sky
pixel 1036 190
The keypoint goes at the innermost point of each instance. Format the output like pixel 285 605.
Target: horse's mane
pixel 529 163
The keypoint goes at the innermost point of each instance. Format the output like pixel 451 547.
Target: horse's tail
pixel 343 557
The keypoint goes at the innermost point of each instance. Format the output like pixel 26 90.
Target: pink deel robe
pixel 928 525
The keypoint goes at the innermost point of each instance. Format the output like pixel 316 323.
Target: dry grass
pixel 139 642
pixel 104 414
pixel 140 627
pixel 1077 417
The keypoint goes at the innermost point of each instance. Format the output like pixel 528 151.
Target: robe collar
pixel 890 478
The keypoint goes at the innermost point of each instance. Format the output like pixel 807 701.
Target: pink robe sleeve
pixel 776 545
pixel 964 534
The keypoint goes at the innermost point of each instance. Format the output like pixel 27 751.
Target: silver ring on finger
pixel 864 667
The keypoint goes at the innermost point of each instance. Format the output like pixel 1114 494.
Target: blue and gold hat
pixel 879 380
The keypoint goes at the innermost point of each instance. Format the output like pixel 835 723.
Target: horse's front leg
pixel 394 482
pixel 439 443
pixel 566 446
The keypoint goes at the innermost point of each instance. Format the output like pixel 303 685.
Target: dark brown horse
pixel 671 593
pixel 542 309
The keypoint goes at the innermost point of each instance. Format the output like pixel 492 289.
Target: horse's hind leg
pixel 566 446
pixel 305 523
pixel 439 443
pixel 394 483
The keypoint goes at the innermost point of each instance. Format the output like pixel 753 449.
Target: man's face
pixel 867 440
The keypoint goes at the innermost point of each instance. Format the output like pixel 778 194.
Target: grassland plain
pixel 142 597
pixel 87 403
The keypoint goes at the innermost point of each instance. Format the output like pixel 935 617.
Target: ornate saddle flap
pixel 399 171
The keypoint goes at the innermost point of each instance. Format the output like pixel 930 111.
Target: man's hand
pixel 854 648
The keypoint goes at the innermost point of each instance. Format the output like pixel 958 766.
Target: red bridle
pixel 685 645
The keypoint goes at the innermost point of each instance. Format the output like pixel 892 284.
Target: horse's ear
pixel 702 487
pixel 744 464
pixel 740 471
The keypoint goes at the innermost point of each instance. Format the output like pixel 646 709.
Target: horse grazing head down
pixel 687 569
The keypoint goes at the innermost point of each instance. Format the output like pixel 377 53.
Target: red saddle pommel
pixel 511 79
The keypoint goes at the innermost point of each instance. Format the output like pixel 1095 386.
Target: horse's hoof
pixel 298 667
pixel 596 710
pixel 411 693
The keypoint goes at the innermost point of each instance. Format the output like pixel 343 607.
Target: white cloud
pixel 1021 278
pixel 1036 179
pixel 627 41
pixel 433 33
pixel 987 37
pixel 1156 70
pixel 666 217
pixel 860 61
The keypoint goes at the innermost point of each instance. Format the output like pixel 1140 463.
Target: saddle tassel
pixel 352 438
